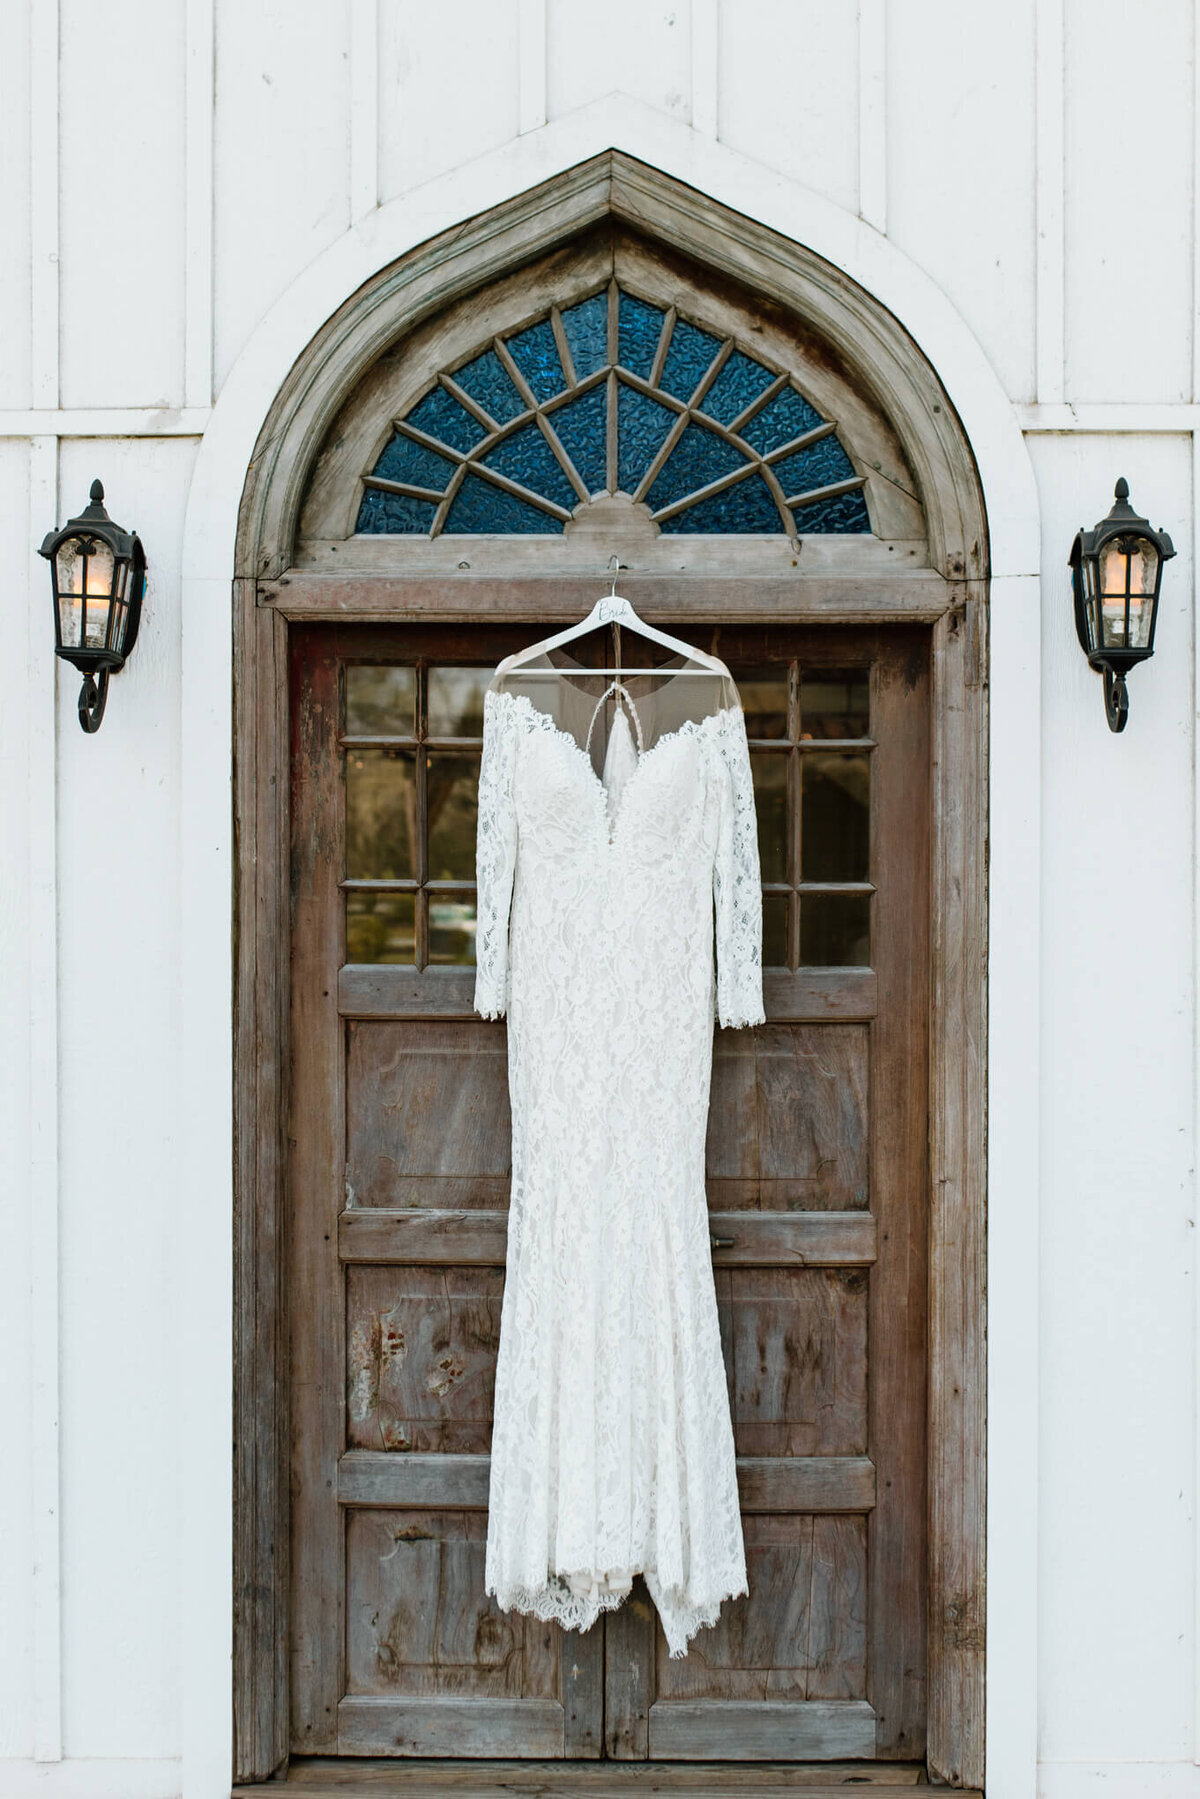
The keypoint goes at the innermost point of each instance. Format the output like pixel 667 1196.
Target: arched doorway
pixel 611 366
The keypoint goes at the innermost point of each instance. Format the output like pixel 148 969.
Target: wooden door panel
pixel 789 1121
pixel 825 1656
pixel 801 1631
pixel 796 1355
pixel 815 1170
pixel 419 1621
pixel 428 1121
pixel 435 1668
pixel 421 1347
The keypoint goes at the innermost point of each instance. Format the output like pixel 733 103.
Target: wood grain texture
pixel 797 1356
pixel 426 1099
pixel 316 1179
pixel 742 1239
pixel 957 1239
pixel 581 1684
pixel 419 1623
pixel 396 992
pixel 379 1477
pixel 772 1484
pixel 261 1423
pixel 448 597
pixel 421 1357
pixel 629 1635
pixel 900 1186
pixel 375 1725
pixel 733 1730
pixel 322 1777
pixel 788 1115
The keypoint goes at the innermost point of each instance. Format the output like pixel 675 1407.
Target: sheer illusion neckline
pixel 689 728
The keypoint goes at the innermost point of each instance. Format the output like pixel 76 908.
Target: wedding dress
pixel 612 1449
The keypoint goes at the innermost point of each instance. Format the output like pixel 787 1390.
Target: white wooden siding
pixel 121 224
pixel 996 144
pixel 1128 156
pixel 788 81
pixel 637 47
pixel 961 142
pixel 448 87
pixel 282 165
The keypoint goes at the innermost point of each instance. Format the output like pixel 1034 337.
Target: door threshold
pixel 344 1777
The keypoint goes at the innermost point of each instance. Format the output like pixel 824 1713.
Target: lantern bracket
pixel 1116 699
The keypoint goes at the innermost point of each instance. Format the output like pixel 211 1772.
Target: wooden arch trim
pixel 613 188
pixel 950 594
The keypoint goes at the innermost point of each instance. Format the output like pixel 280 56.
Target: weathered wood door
pixel 399 1145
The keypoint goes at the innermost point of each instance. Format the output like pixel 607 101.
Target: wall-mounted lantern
pixel 98 573
pixel 1116 571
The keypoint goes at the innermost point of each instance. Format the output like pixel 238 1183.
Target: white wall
pixel 972 135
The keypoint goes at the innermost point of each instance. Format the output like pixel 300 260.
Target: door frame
pixel 951 596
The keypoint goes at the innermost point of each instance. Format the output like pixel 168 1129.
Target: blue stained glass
pixel 641 426
pixel 480 506
pixel 527 457
pixel 699 457
pixel 786 416
pixel 639 327
pixel 688 357
pixel 536 355
pixel 404 460
pixel 488 384
pixel 848 512
pixel 440 415
pixel 586 330
pixel 394 514
pixel 582 427
pixel 818 466
pixel 739 382
pixel 747 506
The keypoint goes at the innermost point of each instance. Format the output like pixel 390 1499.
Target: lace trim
pixel 682 1617
pixel 737 882
pixel 495 858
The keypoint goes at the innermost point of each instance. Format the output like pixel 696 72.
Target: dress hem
pixel 555 1603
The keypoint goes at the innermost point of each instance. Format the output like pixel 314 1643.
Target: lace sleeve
pixel 495 854
pixel 737 886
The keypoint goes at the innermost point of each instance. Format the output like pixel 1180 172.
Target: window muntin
pixel 411 742
pixel 613 394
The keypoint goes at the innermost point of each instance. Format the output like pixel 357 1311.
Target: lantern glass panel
pixel 1128 580
pixel 84 569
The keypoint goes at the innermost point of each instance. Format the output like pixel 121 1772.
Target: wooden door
pixel 399 1164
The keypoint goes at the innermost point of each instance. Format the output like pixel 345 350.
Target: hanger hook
pixel 615 565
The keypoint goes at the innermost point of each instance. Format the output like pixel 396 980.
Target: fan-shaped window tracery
pixel 613 394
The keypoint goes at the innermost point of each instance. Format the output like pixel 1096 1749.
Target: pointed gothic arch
pixel 402 335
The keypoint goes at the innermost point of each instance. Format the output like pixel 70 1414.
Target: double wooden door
pixel 398 1183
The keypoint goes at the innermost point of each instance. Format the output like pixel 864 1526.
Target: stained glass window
pixel 613 392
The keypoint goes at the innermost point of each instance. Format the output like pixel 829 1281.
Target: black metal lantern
pixel 98 573
pixel 1116 571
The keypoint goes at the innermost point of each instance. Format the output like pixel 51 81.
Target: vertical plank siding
pixel 983 144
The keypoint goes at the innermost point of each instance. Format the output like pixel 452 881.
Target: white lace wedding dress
pixel 612 1450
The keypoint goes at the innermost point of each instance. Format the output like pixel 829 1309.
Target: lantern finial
pixel 1121 490
pixel 96 494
